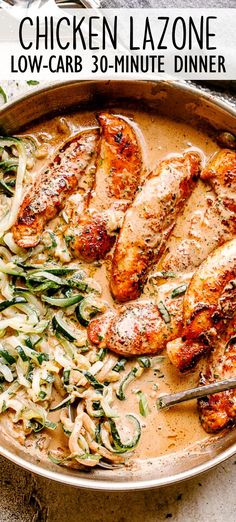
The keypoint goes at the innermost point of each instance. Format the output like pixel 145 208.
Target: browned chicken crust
pixel 149 221
pixel 116 181
pixel 142 330
pixel 220 172
pixel 211 296
pixel 214 224
pixel 209 303
pixel 48 194
pixel 97 328
pixel 184 355
pixel 218 411
pixel 139 328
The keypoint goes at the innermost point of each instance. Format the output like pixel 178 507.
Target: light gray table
pixel 211 497
pixel 27 498
pixel 168 3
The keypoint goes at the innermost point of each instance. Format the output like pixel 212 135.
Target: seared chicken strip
pixel 48 194
pixel 142 327
pixel 209 303
pixel 198 236
pixel 149 221
pixel 210 226
pixel 210 297
pixel 184 355
pixel 220 172
pixel 117 178
pixel 139 328
pixel 218 411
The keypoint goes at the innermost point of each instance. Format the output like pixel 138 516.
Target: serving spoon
pixel 166 401
pixel 90 4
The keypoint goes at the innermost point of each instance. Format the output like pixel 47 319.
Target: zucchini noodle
pixel 9 219
pixel 11 244
pixel 51 378
pixel 41 357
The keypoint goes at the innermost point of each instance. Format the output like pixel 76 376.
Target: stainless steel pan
pixel 176 100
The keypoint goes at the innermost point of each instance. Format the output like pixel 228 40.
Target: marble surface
pixel 25 497
pixel 168 3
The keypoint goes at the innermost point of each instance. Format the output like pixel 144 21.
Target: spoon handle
pixel 165 401
pixel 90 4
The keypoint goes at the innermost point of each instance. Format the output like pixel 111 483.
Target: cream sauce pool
pixel 197 232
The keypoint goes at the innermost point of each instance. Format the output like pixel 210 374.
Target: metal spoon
pixel 90 4
pixel 166 401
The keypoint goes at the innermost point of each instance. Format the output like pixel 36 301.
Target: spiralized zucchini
pixel 50 376
pixel 9 219
pixel 44 351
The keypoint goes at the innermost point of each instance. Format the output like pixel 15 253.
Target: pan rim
pixel 128 485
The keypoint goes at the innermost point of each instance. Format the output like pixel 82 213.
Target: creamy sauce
pixel 197 232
